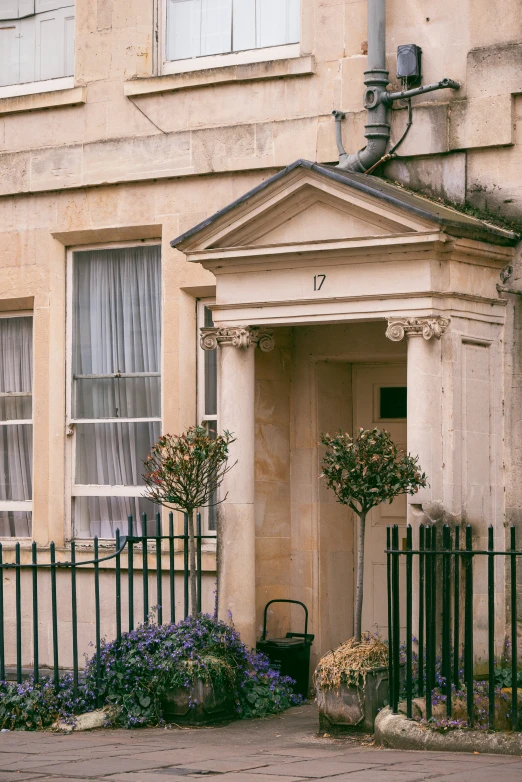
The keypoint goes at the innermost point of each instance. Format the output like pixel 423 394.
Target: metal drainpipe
pixel 377 100
pixel 376 80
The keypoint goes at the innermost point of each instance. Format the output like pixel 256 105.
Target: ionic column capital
pixel 416 327
pixel 242 337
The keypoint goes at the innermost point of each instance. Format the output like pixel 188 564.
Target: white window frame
pixel 202 417
pixel 20 505
pixel 44 85
pixel 34 87
pixel 246 57
pixel 93 490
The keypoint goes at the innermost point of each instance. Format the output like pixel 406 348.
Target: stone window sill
pixel 43 100
pixel 258 71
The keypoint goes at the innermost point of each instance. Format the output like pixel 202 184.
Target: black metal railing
pixel 157 545
pixel 442 655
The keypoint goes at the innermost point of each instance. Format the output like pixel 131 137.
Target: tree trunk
pixel 192 565
pixel 361 524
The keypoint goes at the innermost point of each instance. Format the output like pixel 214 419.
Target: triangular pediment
pixel 307 202
pixel 311 213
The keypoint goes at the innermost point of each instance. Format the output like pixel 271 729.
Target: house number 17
pixel 318 281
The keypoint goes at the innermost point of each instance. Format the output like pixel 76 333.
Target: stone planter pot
pixel 353 708
pixel 213 704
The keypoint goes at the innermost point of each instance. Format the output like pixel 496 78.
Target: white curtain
pixel 16 440
pixel 117 329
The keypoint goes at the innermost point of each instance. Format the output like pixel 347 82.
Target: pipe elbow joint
pixel 364 159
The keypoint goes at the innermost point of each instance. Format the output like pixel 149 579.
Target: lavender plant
pixel 136 672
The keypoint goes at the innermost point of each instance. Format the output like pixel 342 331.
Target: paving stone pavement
pixel 280 749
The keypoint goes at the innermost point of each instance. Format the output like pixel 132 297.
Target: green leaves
pixel 368 469
pixel 183 471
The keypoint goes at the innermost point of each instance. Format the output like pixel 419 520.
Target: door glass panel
pixel 393 402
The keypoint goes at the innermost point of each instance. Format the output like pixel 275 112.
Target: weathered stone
pixel 398 732
pixel 91 720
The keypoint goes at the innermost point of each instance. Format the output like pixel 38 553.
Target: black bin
pixel 291 655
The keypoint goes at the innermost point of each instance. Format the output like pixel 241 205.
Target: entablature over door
pixel 319 243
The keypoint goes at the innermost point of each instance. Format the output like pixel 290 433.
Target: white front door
pixel 379 395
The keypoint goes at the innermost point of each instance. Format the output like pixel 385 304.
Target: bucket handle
pixel 297 602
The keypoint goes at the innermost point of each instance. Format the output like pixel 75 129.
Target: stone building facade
pixel 124 124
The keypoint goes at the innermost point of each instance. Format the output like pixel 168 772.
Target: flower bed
pixel 137 672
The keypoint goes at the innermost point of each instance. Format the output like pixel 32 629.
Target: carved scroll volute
pixel 416 327
pixel 241 337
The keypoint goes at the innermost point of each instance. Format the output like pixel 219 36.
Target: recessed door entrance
pixel 379 394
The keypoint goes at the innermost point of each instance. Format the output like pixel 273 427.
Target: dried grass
pixel 350 662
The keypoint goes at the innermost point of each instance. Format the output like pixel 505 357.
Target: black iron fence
pixel 138 550
pixel 442 657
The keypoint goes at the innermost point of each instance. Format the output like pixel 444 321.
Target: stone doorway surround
pixel 313 245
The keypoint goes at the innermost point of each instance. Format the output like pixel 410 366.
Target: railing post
pixel 159 591
pixel 130 573
pixel 422 562
pixel 468 627
pixel 74 616
pixel 491 627
pixel 514 631
pixel 396 617
pixel 97 610
pixel 145 567
pixel 118 587
pixel 456 609
pixel 409 628
pixel 198 559
pixel 171 569
pixel 433 610
pixel 446 615
pixel 185 565
pixel 36 663
pixel 429 626
pixel 390 616
pixel 18 615
pixel 54 609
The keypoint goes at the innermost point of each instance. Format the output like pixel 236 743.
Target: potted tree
pixel 183 473
pixel 363 471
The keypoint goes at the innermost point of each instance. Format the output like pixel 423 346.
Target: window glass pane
pixel 112 454
pixel 393 402
pixel 16 368
pixel 183 29
pixel 244 28
pixel 15 524
pixel 117 398
pixel 16 462
pixel 216 26
pixel 117 326
pixel 210 369
pixel 276 22
pixel 102 516
pixel 9 53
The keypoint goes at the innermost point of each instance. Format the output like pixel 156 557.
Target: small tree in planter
pixel 183 473
pixel 363 472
